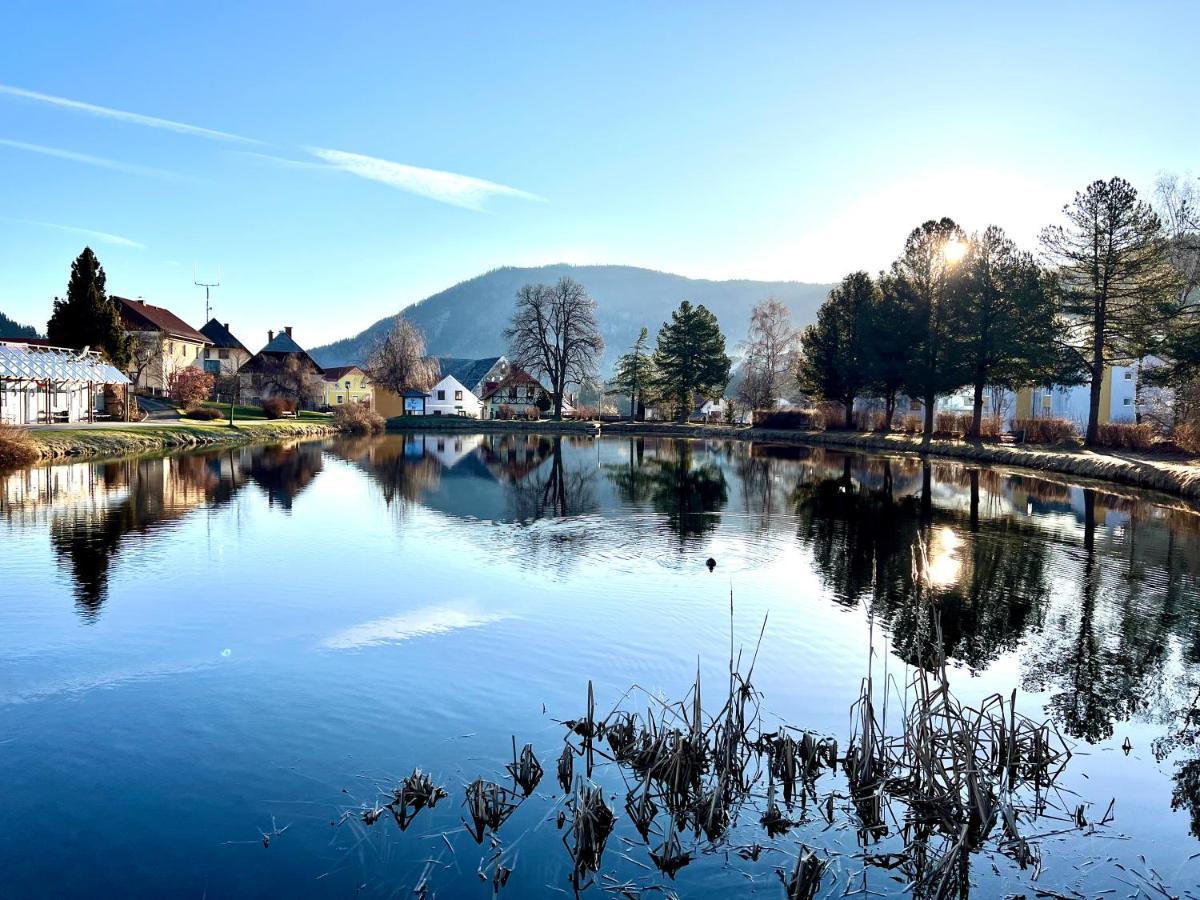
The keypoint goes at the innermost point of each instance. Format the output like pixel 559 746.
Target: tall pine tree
pixel 690 358
pixel 1118 289
pixel 87 317
pixel 633 376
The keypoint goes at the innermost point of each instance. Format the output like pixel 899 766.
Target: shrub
pixel 1046 431
pixel 358 418
pixel 17 448
pixel 585 413
pixel 506 412
pixel 990 429
pixel 1186 435
pixel 789 419
pixel 190 387
pixel 869 420
pixel 205 413
pixel 911 424
pixel 1127 435
pixel 275 407
pixel 833 414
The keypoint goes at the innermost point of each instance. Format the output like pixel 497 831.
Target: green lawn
pixel 257 413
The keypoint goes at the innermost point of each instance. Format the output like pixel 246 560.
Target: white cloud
pixel 87 159
pixel 121 115
pixel 445 187
pixel 105 237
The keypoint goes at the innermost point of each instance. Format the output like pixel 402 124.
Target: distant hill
pixel 469 319
pixel 10 329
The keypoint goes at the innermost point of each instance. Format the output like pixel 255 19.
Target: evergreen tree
pixel 929 286
pixel 1118 288
pixel 11 329
pixel 634 375
pixel 87 317
pixel 690 358
pixel 889 341
pixel 1009 337
pixel 834 351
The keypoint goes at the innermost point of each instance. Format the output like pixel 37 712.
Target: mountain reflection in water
pixel 1087 596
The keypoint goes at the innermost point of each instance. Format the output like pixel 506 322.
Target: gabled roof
pixel 280 346
pixel 515 377
pixel 221 336
pixel 139 315
pixel 467 372
pixel 337 373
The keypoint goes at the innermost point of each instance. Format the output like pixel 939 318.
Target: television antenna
pixel 208 286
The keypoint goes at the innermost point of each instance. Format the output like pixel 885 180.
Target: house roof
pixel 414 393
pixel 337 373
pixel 139 315
pixel 467 372
pixel 515 377
pixel 221 336
pixel 279 346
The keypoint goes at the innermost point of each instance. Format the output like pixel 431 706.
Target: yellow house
pixel 347 384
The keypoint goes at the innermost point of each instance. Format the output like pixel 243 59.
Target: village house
pixel 458 391
pixel 518 395
pixel 225 354
pixel 282 369
pixel 42 384
pixel 346 384
pixel 164 344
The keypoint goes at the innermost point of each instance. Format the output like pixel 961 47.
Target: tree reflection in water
pixel 689 490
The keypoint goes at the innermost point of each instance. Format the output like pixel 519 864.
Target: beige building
pixel 226 355
pixel 164 344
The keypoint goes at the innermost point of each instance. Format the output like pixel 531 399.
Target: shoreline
pixel 1178 477
pixel 132 438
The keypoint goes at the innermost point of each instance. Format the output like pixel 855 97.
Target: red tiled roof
pixel 515 376
pixel 139 315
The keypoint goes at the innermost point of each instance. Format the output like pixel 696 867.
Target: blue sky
pixel 792 141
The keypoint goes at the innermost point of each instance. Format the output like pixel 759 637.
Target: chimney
pixel 141 301
pixel 270 336
pixel 288 329
pixel 226 326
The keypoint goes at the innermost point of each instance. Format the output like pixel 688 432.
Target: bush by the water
pixel 1046 431
pixel 785 419
pixel 358 418
pixel 911 424
pixel 1127 435
pixel 204 413
pixel 275 407
pixel 17 447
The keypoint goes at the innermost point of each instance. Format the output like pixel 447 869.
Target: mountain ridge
pixel 468 318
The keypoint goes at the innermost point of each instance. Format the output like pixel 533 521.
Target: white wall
pixel 449 398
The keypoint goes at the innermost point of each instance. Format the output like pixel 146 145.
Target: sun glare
pixel 954 251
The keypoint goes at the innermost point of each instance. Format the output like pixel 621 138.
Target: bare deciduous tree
pixel 554 334
pixel 770 349
pixel 398 361
pixel 147 352
pixel 288 377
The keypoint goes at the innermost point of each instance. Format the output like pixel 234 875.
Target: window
pixel 339 398
pixel 224 354
pixel 458 395
pixel 1046 402
pixel 1129 376
pixel 206 353
pixel 1128 402
pixel 347 384
pixel 441 395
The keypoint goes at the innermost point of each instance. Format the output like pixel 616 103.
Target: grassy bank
pixel 127 439
pixel 1177 476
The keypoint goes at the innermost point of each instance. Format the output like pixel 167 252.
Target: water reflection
pixel 1092 593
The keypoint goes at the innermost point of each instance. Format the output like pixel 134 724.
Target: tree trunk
pixel 849 407
pixel 977 412
pixel 889 410
pixel 930 400
pixel 1093 426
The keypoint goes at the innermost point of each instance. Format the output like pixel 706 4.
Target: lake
pixel 211 664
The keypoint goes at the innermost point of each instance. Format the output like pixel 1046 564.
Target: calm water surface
pixel 200 649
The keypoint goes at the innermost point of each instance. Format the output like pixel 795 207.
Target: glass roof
pixel 28 362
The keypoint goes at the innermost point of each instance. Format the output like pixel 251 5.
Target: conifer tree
pixel 690 358
pixel 87 317
pixel 634 375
